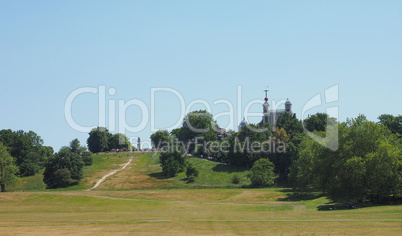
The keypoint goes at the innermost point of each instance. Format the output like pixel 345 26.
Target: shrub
pixel 54 175
pixel 235 179
pixel 170 167
pixel 63 177
pixel 87 158
pixel 29 168
pixel 262 173
pixel 191 170
pixel 191 178
pixel 191 173
pixel 173 160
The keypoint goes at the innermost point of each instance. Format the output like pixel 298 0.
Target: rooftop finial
pixel 266 94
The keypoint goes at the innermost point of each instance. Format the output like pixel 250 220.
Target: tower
pixel 265 108
pixel 139 144
pixel 288 107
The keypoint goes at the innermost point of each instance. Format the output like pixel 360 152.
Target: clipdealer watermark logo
pixel 118 108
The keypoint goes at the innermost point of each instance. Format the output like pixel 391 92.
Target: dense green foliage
pixel 27 149
pixel 198 126
pixel 367 164
pixel 100 139
pixel 191 173
pixel 160 139
pixel 262 173
pixel 63 169
pixel 173 160
pixel 318 122
pixel 8 169
pixel 119 141
pixel 393 123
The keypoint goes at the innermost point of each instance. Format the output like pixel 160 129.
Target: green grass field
pixel 139 201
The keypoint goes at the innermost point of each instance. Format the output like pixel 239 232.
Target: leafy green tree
pixel 7 168
pixel 262 173
pixel 318 122
pixel 290 123
pixel 160 138
pixel 75 146
pixel 191 173
pixel 199 124
pixel 98 139
pixel 64 159
pixel 393 123
pixel 367 164
pixel 247 146
pixel 27 149
pixel 87 158
pixel 170 167
pixel 178 134
pixel 173 160
pixel 119 141
pixel 63 178
pixel 280 156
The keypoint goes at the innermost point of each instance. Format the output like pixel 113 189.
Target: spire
pixel 266 94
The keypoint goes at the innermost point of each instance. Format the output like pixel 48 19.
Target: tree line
pixel 366 165
pixel 100 139
pixel 23 154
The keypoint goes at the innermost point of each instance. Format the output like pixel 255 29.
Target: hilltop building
pixel 269 115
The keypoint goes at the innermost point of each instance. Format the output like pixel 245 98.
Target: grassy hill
pixel 102 164
pixel 143 173
pixel 186 212
pixel 152 205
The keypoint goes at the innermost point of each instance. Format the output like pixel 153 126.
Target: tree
pixel 75 145
pixel 98 139
pixel 63 178
pixel 191 173
pixel 170 167
pixel 27 149
pixel 160 138
pixel 262 173
pixel 199 124
pixel 318 122
pixel 281 159
pixel 367 164
pixel 290 123
pixel 55 177
pixel 7 168
pixel 393 123
pixel 119 141
pixel 173 160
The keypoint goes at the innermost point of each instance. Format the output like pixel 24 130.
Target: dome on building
pixel 288 102
pixel 243 122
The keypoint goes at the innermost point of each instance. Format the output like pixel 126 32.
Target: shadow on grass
pixel 336 204
pixel 157 175
pixel 351 205
pixel 299 196
pixel 228 168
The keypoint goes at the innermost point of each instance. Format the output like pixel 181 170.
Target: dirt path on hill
pixel 110 174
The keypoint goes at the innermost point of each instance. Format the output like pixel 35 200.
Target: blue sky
pixel 202 49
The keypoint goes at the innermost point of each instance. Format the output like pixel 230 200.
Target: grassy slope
pixel 145 172
pixel 184 212
pixel 101 166
pixel 171 206
pixel 214 174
